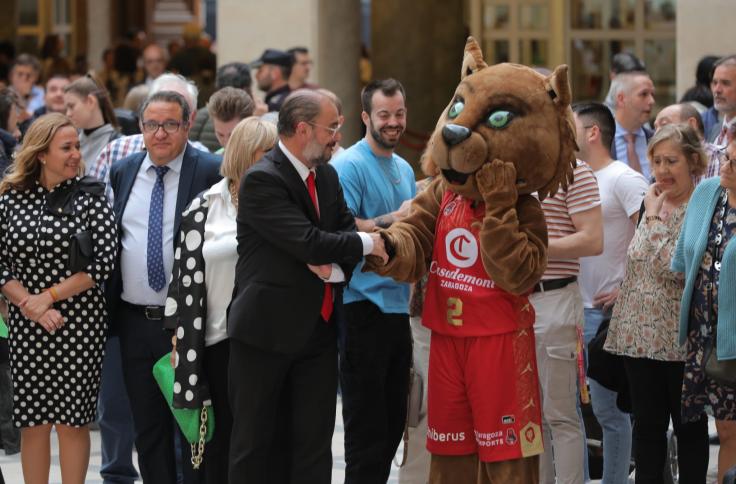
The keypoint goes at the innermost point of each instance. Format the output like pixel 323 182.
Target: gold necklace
pixel 233 189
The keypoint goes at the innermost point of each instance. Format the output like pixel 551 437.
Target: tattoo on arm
pixel 383 221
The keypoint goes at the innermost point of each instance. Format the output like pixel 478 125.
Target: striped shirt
pixel 582 195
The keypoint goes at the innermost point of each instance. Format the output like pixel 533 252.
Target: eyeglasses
pixel 170 127
pixel 332 131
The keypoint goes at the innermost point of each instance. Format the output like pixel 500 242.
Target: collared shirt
pixel 220 254
pixel 640 145
pixel 721 140
pixel 714 155
pixel 134 233
pixel 117 150
pixel 337 273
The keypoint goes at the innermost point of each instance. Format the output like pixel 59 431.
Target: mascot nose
pixel 454 134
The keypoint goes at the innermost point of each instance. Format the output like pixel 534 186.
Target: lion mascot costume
pixel 505 141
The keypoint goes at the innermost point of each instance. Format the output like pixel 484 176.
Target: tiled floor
pixel 13 473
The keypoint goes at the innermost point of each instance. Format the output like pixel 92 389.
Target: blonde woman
pixel 57 316
pixel 205 274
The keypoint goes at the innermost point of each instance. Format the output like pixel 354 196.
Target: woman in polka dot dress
pixel 57 318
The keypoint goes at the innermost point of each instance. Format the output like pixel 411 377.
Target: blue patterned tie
pixel 155 263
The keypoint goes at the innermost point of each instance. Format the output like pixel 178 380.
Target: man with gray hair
pixel 297 248
pixel 633 94
pixel 723 87
pixel 152 188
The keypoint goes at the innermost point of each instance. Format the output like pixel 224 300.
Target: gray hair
pixel 623 83
pixel 167 97
pixel 177 83
pixel 301 105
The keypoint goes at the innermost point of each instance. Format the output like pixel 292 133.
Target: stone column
pixel 425 54
pixel 329 29
pixel 703 28
pixel 98 31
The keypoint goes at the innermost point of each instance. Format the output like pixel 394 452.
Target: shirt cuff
pixel 337 275
pixel 367 243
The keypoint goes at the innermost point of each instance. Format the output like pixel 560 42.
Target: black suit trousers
pixel 283 411
pixel 142 344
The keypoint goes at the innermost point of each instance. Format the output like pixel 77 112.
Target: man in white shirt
pixel 574 227
pixel 621 190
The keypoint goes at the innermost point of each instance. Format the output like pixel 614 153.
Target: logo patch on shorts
pixel 510 436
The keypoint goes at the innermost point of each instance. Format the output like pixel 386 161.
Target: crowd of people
pixel 140 218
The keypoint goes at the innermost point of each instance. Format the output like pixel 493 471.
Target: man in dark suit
pixel 297 245
pixel 151 190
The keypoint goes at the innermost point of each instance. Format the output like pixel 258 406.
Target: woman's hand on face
pixel 34 306
pixel 653 199
pixel 51 320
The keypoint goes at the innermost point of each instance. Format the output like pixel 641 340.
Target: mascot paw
pixel 497 183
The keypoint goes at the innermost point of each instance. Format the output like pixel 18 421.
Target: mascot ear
pixel 558 86
pixel 473 59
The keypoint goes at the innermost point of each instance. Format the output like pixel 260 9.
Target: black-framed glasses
pixel 333 131
pixel 169 126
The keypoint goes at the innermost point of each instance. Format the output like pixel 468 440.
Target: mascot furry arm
pixel 507 132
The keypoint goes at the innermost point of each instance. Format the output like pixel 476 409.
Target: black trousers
pixel 217 450
pixel 375 357
pixel 142 344
pixel 656 388
pixel 283 411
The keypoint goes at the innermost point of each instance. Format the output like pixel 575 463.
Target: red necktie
pixel 326 311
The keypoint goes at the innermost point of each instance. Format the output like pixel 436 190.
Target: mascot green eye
pixel 499 119
pixel 456 109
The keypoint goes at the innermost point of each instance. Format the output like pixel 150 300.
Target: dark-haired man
pixel 297 246
pixel 376 348
pixel 151 189
pixel 235 75
pixel 54 96
pixel 274 68
pixel 300 70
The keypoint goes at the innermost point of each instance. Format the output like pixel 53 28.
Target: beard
pixel 316 154
pixel 383 142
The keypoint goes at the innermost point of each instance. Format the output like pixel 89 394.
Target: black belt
pixel 551 285
pixel 152 313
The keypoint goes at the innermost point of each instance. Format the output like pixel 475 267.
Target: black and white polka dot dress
pixel 56 376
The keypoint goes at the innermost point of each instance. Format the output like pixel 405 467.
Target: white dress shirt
pixel 337 274
pixel 134 233
pixel 220 253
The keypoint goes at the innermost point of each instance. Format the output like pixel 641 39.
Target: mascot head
pixel 511 113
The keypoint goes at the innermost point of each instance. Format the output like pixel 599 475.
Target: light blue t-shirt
pixel 375 185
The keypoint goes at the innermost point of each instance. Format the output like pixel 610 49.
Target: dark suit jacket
pixel 277 299
pixel 199 171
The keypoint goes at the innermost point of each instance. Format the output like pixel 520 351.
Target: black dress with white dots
pixel 56 376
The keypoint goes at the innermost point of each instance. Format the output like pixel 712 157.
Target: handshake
pixel 379 247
